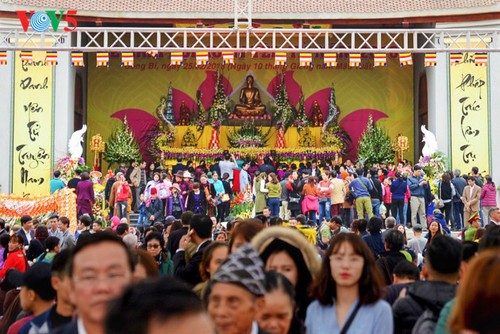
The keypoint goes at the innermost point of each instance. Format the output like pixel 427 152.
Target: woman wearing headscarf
pixel 288 252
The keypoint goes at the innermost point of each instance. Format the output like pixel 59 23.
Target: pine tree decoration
pixel 122 146
pixel 169 110
pixel 375 145
pixel 283 111
pixel 219 110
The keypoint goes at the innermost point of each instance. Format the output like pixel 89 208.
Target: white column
pixel 6 107
pixel 438 102
pixel 64 98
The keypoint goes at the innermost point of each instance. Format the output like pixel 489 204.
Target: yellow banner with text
pixel 469 110
pixel 32 132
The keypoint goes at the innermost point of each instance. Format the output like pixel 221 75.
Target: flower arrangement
pixel 433 167
pixel 283 111
pixel 242 206
pixel 248 136
pixel 298 153
pixel 301 120
pixel 121 145
pixel 219 109
pixel 375 145
pixel 68 165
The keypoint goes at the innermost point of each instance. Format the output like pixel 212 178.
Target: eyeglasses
pixel 153 246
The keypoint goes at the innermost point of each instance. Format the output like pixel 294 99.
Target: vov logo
pixel 40 21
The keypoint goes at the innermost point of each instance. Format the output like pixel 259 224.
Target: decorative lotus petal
pixel 207 88
pixel 292 87
pixel 323 98
pixel 355 123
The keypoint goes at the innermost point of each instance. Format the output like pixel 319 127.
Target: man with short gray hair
pixel 494 215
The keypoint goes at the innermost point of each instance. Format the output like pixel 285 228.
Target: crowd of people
pixel 379 261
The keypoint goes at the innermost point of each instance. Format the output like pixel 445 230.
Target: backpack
pixel 426 323
pixel 319 241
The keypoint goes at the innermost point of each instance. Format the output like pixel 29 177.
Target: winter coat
pixel 489 195
pixel 422 295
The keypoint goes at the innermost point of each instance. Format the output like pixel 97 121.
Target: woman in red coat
pixel 15 258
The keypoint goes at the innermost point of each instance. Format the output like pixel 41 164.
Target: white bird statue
pixel 431 145
pixel 75 148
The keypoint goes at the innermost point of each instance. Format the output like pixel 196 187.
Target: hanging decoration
pixel 405 59
pixel 3 57
pixel 176 58
pixel 330 60
pixel 152 53
pixel 455 58
pixel 481 59
pixel 379 59
pixel 280 59
pixel 430 59
pixel 27 57
pixel 201 58
pixel 102 59
pixel 77 59
pixel 128 59
pixel 227 58
pixel 305 60
pixel 51 58
pixel 355 60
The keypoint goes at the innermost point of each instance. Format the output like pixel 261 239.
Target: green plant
pixel 375 145
pixel 122 146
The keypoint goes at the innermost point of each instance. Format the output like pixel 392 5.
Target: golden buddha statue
pixel 316 115
pixel 184 114
pixel 250 103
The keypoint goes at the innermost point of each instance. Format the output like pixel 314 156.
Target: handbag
pixel 225 198
pixel 438 202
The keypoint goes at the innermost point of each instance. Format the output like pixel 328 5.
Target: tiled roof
pixel 262 7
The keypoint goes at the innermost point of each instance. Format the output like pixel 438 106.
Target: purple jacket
pixel 84 197
pixel 489 195
pixel 170 205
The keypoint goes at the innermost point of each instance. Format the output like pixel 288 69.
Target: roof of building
pixel 262 9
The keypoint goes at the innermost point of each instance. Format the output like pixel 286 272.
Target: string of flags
pixel 330 60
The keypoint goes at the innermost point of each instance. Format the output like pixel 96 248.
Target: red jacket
pixel 14 260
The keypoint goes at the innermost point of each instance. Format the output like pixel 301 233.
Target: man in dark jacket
pixel 375 192
pixel 200 233
pixel 393 243
pixel 458 206
pixel 442 264
pixel 154 211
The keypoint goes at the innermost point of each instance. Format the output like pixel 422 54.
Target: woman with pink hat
pixel 175 203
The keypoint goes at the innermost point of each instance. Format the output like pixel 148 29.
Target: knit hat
pixel 153 191
pixel 473 217
pixel 243 268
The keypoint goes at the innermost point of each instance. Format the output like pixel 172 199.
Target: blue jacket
pixel 398 189
pixel 358 189
pixel 415 188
